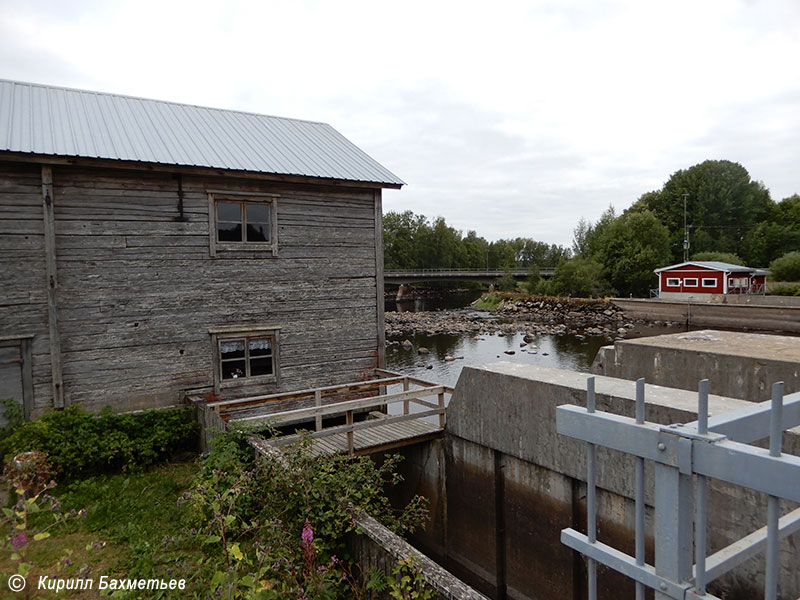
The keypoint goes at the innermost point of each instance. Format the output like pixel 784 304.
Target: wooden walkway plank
pixel 364 440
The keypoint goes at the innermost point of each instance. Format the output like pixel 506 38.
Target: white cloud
pixel 512 119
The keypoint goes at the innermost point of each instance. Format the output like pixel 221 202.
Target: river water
pixel 558 351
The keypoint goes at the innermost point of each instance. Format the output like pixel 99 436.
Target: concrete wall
pixel 740 316
pixel 511 484
pixel 738 365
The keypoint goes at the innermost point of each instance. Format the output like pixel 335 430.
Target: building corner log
pixel 52 285
pixel 380 318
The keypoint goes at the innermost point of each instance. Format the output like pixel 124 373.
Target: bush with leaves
pixel 785 290
pixel 506 283
pixel 279 523
pixel 14 415
pixel 29 476
pixel 80 444
pixel 786 268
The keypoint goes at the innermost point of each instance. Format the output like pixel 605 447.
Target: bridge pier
pixel 402 291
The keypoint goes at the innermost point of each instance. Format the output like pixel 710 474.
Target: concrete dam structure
pixel 503 483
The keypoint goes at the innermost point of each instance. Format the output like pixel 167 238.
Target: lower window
pixel 245 356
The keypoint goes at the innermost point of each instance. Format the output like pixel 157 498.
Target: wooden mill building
pixel 148 248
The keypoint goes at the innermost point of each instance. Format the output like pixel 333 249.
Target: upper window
pixel 690 282
pixel 673 281
pixel 244 357
pixel 242 223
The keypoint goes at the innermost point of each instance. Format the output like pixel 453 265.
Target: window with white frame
pixel 690 282
pixel 673 281
pixel 243 222
pixel 738 282
pixel 244 356
pixel 709 282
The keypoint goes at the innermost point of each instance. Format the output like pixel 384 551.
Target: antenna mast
pixel 685 231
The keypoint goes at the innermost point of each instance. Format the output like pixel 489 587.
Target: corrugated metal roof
pixel 57 121
pixel 709 264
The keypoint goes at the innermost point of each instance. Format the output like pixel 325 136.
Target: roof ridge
pixel 155 100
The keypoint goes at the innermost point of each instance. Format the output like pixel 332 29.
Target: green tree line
pixel 411 241
pixel 729 217
pixel 724 213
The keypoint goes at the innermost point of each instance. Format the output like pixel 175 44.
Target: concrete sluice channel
pixel 503 484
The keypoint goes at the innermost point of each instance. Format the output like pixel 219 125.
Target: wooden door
pixel 10 377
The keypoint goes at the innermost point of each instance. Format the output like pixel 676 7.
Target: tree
pixel 476 251
pixel 533 280
pixel 579 237
pixel 768 241
pixel 726 257
pixel 787 211
pixel 630 248
pixel 722 204
pixel 400 231
pixel 579 278
pixel 786 268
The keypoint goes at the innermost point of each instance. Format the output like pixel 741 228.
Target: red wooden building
pixel 701 279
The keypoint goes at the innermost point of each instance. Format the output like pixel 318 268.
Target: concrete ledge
pixel 739 316
pixel 388 548
pixel 738 365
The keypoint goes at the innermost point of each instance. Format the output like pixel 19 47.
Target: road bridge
pixel 405 276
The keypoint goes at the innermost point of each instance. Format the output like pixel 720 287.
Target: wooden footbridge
pixel 376 418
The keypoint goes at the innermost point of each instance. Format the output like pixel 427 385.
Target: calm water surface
pixel 557 351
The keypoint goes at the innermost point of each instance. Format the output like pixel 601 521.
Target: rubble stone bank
pixel 515 314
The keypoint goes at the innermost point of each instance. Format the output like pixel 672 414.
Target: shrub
pixel 534 279
pixel 79 443
pixel 580 278
pixel 785 290
pixel 13 413
pixel 280 522
pixel 506 283
pixel 488 301
pixel 786 268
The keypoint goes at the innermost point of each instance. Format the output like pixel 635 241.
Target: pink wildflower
pixel 308 534
pixel 309 552
pixel 19 542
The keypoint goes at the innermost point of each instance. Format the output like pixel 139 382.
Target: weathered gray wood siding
pixel 138 289
pixel 23 292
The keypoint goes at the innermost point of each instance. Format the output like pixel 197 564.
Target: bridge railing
pixel 226 410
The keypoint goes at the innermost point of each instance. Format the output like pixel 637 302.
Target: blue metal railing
pixel 709 448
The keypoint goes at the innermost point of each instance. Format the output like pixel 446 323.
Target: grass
pixel 488 301
pixel 133 528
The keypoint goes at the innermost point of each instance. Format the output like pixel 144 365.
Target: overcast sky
pixel 509 118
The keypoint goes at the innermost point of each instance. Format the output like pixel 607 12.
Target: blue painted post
pixel 775 438
pixel 639 492
pixel 701 521
pixel 591 506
